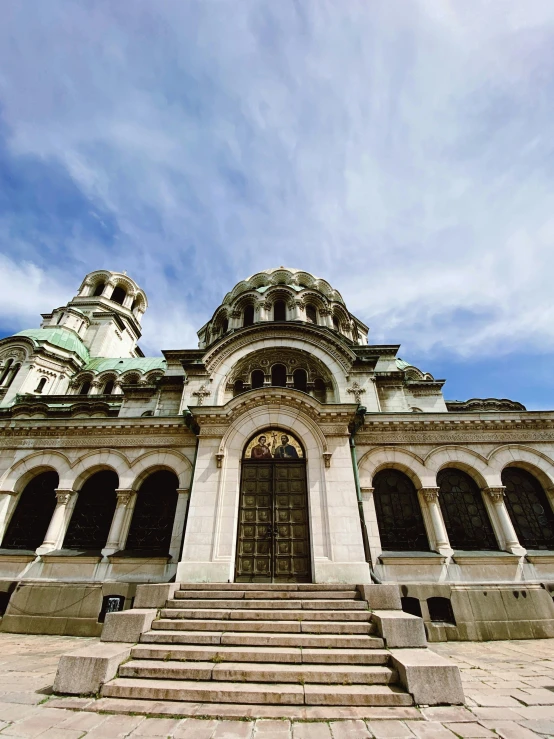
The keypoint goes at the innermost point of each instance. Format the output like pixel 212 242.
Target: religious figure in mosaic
pixel 285 450
pixel 261 449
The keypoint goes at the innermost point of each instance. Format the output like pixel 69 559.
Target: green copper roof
pixel 61 337
pixel 141 364
pixel 401 364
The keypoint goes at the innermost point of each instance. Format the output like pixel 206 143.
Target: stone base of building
pixel 450 611
pixel 481 612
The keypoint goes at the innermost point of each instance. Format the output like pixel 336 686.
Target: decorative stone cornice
pixel 327 340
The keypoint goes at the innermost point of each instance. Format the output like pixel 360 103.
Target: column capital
pixel 497 493
pixel 183 491
pixel 64 496
pixel 431 495
pixel 124 496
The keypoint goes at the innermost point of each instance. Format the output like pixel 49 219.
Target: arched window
pixel 41 384
pixel 238 387
pixel 529 509
pixel 279 311
pixel 300 380
pixel 224 325
pixel 99 289
pixel 154 513
pixel 59 320
pixel 336 325
pixel 257 379
pixel 108 387
pixel 279 375
pixel 311 313
pixel 399 516
pixel 6 371
pixel 11 376
pixel 320 391
pixel 85 388
pixel 91 520
pixel 465 515
pixel 32 515
pixel 119 295
pixel 248 318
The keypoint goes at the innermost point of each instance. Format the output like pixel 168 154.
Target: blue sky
pixel 402 150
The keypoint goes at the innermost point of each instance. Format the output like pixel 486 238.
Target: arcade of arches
pixel 92 514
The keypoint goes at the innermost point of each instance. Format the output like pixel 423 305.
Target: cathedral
pixel 285 448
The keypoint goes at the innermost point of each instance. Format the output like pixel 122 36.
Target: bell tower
pixel 106 314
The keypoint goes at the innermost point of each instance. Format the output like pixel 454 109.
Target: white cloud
pixel 401 150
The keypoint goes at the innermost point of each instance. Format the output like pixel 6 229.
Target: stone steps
pixel 257 693
pixel 277 595
pixel 286 627
pixel 293 605
pixel 265 615
pixel 268 672
pixel 262 644
pixel 337 641
pixel 291 655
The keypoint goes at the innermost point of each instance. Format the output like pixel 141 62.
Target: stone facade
pixel 448 499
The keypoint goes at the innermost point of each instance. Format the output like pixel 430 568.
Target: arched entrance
pixel 273 539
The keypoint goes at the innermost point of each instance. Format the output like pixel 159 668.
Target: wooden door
pixel 273 532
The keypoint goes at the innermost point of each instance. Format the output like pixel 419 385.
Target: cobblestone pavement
pixel 509 690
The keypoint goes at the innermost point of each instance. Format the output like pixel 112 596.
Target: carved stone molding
pixel 356 390
pixel 496 494
pixel 431 495
pixel 64 496
pixel 124 496
pixel 327 458
pixel 219 459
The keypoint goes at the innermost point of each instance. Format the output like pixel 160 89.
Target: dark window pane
pixel 248 316
pixel 279 375
pixel 30 519
pixel 529 509
pixel 399 515
pixel 311 314
pixel 257 379
pixel 154 514
pixel 99 289
pixel 464 512
pixel 279 311
pixel 300 380
pixel 92 517
pixel 119 295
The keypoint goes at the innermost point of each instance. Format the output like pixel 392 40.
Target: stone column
pixel 6 500
pixel 114 543
pixel 108 289
pixel 183 495
pixel 128 302
pixel 95 387
pixel 326 318
pixel 442 543
pixel 296 310
pixel 511 542
pixel 234 319
pixel 56 527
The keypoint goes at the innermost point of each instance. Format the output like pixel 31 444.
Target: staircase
pixel 262 644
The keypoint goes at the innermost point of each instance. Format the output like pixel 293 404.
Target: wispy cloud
pixel 401 150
